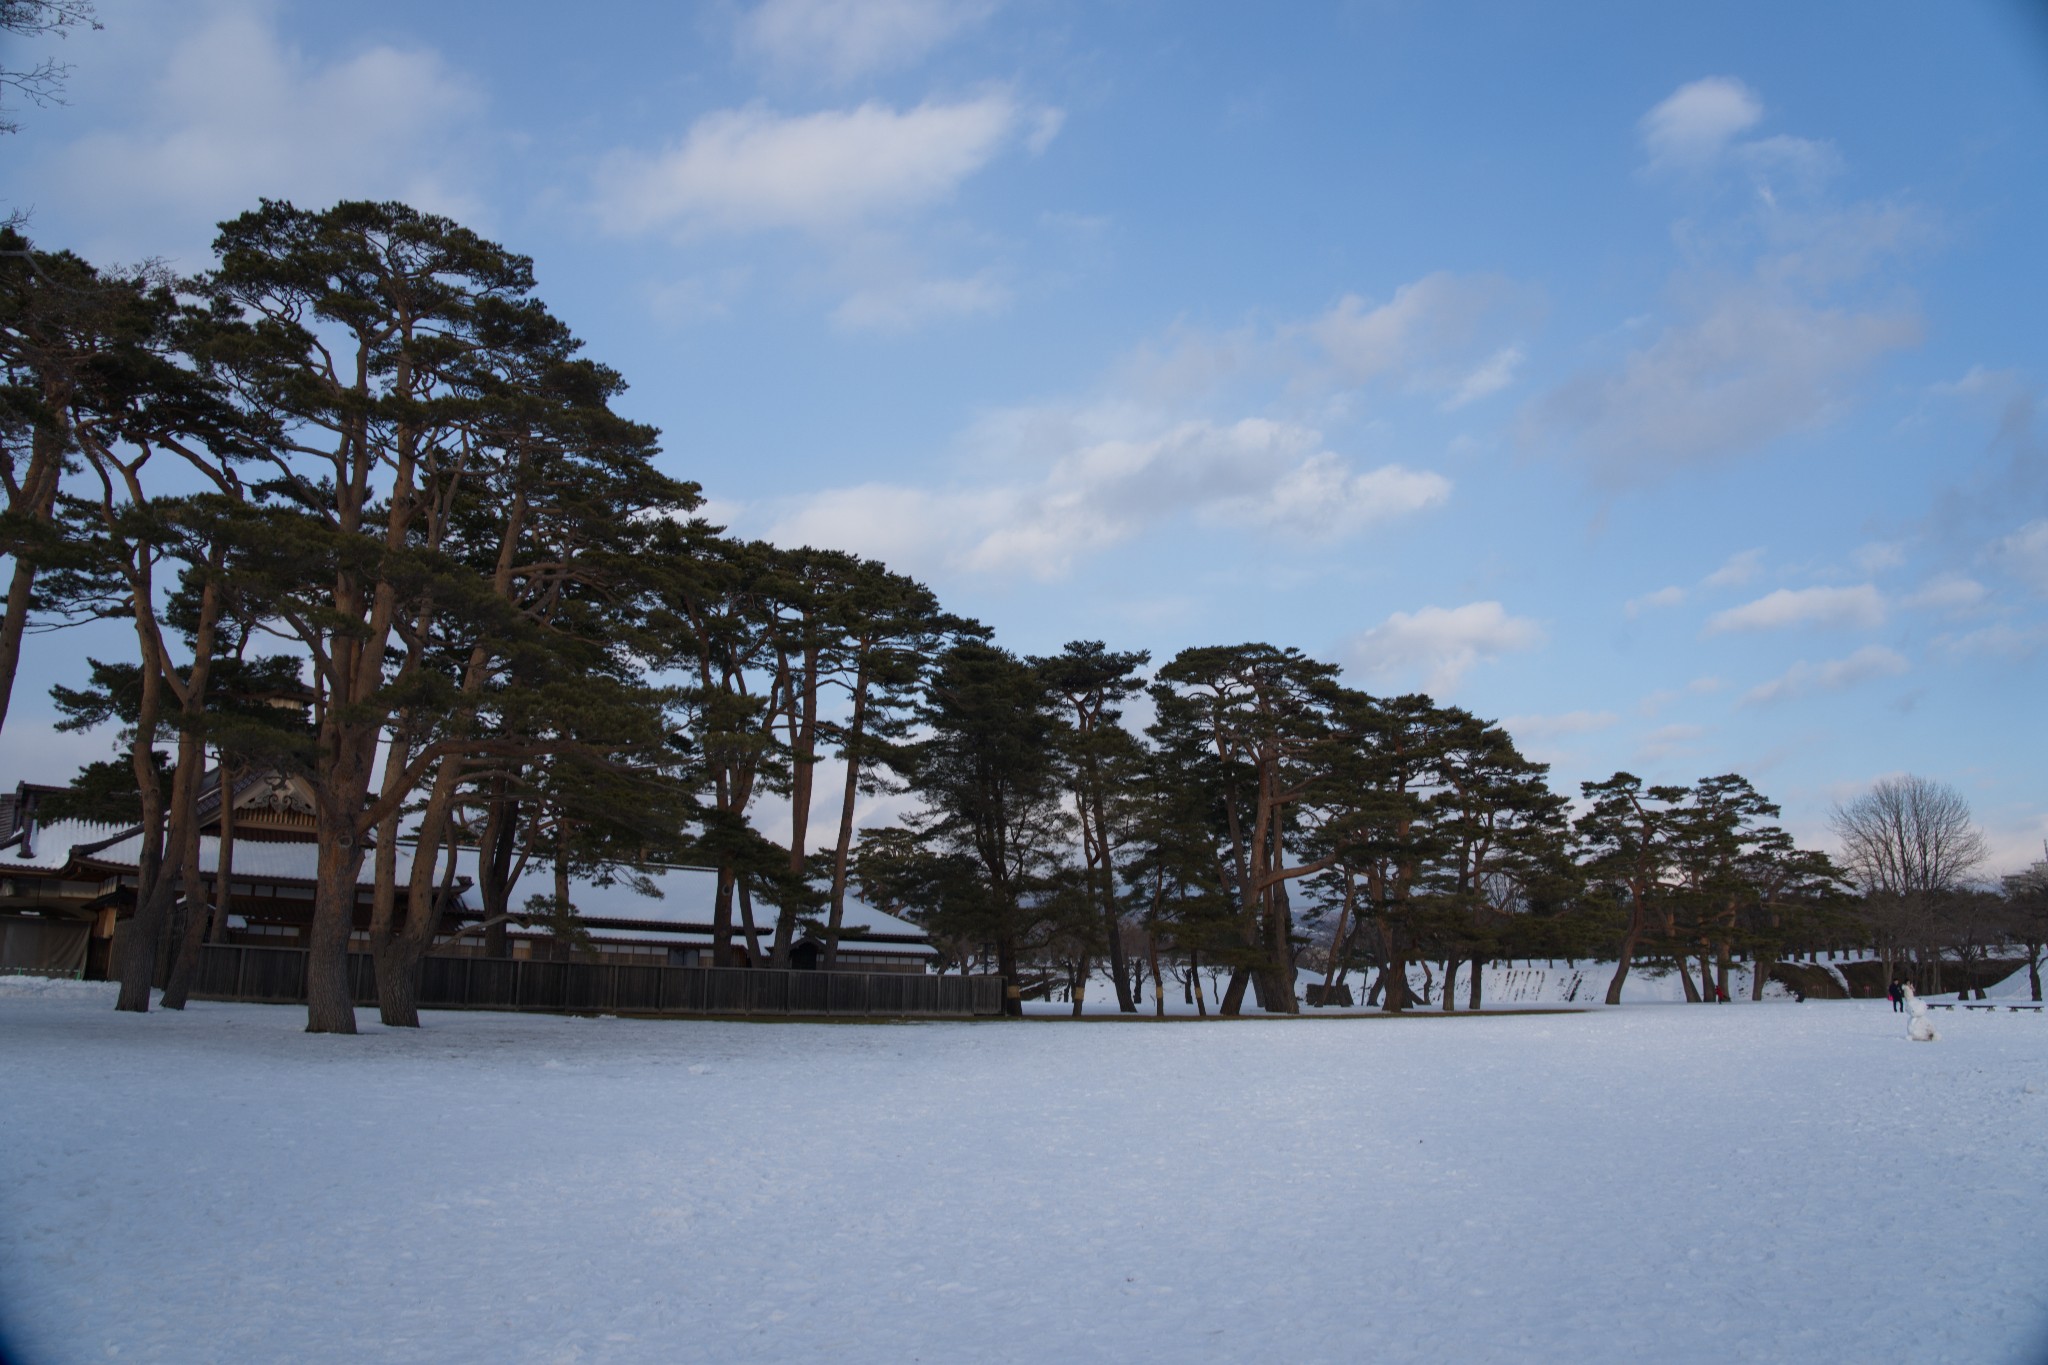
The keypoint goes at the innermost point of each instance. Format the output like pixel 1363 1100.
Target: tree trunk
pixel 384 926
pixel 1398 994
pixel 184 966
pixel 1477 966
pixel 224 863
pixel 721 919
pixel 1692 992
pixel 1104 869
pixel 38 498
pixel 495 875
pixel 1232 1003
pixel 803 746
pixel 1625 957
pixel 1450 985
pixel 842 847
pixel 1279 996
pixel 1337 945
pixel 138 956
pixel 329 1006
pixel 748 927
pixel 398 981
pixel 1006 964
pixel 19 591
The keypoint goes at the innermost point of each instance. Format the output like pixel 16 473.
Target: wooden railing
pixel 278 976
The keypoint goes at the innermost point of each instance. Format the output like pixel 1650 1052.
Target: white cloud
pixel 1695 123
pixel 1947 592
pixel 1861 606
pixel 1100 489
pixel 2024 555
pixel 1550 727
pixel 2002 640
pixel 1656 701
pixel 1437 334
pixel 1768 343
pixel 231 113
pixel 1835 675
pixel 1669 741
pixel 1756 366
pixel 700 298
pixel 1495 374
pixel 843 40
pixel 899 305
pixel 1443 643
pixel 1737 569
pixel 1879 555
pixel 737 170
pixel 1544 738
pixel 1653 601
pixel 1322 498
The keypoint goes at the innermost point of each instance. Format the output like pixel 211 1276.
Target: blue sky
pixel 1665 381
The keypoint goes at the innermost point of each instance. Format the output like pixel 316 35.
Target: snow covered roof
pixel 283 860
pixel 686 896
pixel 47 848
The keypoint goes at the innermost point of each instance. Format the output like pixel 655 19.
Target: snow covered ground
pixel 1771 1182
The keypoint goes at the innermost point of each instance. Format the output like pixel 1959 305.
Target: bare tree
pixel 1910 845
pixel 41 83
pixel 1908 836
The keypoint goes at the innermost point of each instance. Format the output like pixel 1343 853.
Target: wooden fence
pixel 278 976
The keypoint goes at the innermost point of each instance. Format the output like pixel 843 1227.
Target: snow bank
pixel 1770 1183
pixel 59 987
pixel 1516 985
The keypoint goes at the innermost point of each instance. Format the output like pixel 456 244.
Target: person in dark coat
pixel 1898 997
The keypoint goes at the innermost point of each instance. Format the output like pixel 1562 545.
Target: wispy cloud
pixel 1653 601
pixel 1441 644
pixel 232 113
pixel 1441 334
pixel 739 170
pixel 2024 555
pixel 1756 365
pixel 901 303
pixel 2001 640
pixel 1834 675
pixel 843 40
pixel 1696 122
pixel 1099 491
pixel 1947 592
pixel 1670 741
pixel 1860 606
pixel 1739 568
pixel 1551 727
pixel 1656 701
pixel 1764 343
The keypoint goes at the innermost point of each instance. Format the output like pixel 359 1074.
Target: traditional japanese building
pixel 67 891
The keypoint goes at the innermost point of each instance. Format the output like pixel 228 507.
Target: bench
pixel 1986 1005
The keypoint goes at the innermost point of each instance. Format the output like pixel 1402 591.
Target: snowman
pixel 1918 1028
